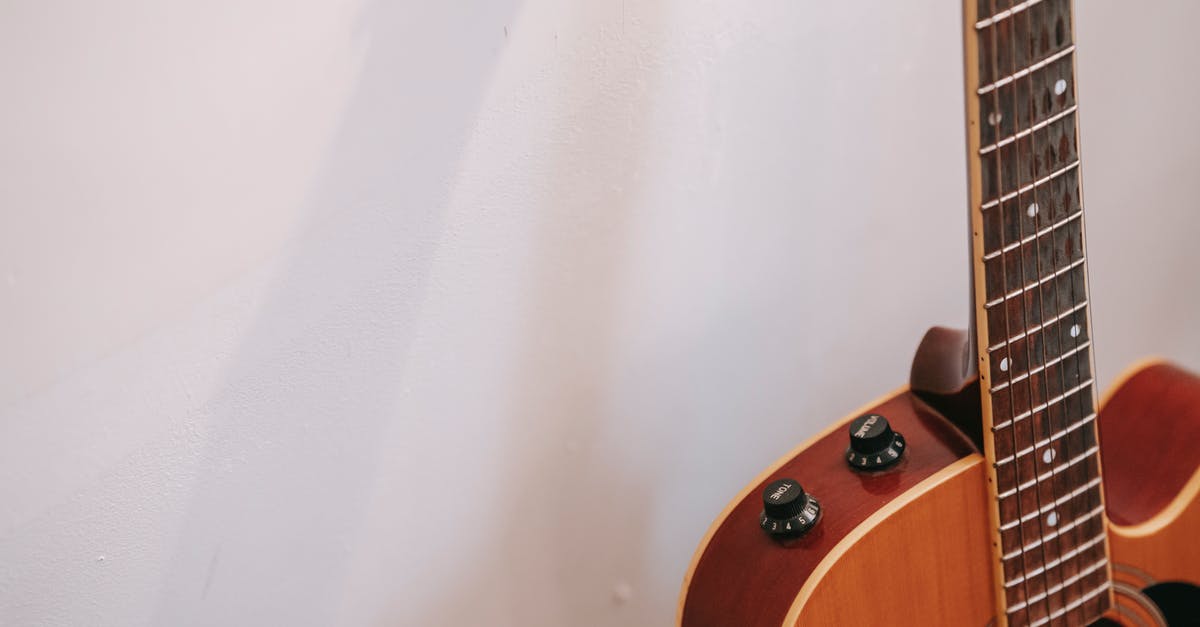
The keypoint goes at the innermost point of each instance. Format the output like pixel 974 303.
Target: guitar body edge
pixel 899 543
pixel 1150 447
pixel 888 542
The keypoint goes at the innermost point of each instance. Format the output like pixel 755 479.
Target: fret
pixel 1039 282
pixel 984 23
pixel 1022 405
pixel 1063 431
pixel 1057 399
pixel 1008 248
pixel 1063 467
pixel 1090 516
pixel 1011 221
pixel 1056 539
pixel 1056 561
pixel 1042 443
pixel 1083 546
pixel 1025 511
pixel 1031 308
pixel 1014 167
pixel 1021 395
pixel 1050 248
pixel 1039 368
pixel 1036 127
pixel 1030 103
pixel 1007 46
pixel 1046 509
pixel 1041 610
pixel 1028 553
pixel 1077 603
pixel 1077 308
pixel 985 7
pixel 1037 346
pixel 1066 582
pixel 1050 483
pixel 1025 71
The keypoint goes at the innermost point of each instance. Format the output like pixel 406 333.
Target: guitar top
pixel 978 495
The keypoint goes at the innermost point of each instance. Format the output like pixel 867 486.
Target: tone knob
pixel 787 510
pixel 873 444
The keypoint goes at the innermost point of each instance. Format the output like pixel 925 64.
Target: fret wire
pixel 1048 508
pixel 1018 42
pixel 1053 534
pixel 1072 605
pixel 1039 327
pixel 1051 564
pixel 984 23
pixel 1054 471
pixel 1034 410
pixel 1038 283
pixel 1057 305
pixel 1066 582
pixel 1029 238
pixel 1053 175
pixel 1043 442
pixel 1036 127
pixel 1042 367
pixel 1024 71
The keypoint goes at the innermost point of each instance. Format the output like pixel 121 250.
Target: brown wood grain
pixel 1150 439
pixel 1149 426
pixel 928 563
pixel 745 578
pixel 883 543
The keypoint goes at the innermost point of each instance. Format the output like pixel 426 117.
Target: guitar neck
pixel 1032 310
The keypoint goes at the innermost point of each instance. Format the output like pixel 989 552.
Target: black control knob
pixel 787 510
pixel 873 444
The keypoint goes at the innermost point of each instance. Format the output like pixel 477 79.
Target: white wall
pixel 406 313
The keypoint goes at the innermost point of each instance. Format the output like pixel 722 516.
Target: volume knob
pixel 873 444
pixel 787 509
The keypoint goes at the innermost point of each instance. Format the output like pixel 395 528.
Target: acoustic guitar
pixel 993 489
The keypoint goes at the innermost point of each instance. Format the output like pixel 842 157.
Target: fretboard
pixel 1033 322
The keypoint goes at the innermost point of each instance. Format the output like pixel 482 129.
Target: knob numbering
pixel 873 444
pixel 787 510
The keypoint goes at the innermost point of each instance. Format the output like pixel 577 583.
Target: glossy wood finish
pixel 1150 434
pixel 744 578
pixel 918 539
pixel 929 552
pixel 1031 304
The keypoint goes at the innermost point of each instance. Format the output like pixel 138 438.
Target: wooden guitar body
pixel 910 545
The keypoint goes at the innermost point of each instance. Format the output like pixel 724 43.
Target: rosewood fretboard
pixel 1034 337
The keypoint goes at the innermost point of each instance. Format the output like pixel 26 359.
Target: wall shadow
pixel 330 336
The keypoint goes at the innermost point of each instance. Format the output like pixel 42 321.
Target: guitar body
pixel 1149 437
pixel 910 545
pixel 996 489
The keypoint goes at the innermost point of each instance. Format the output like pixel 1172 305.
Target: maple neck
pixel 1032 312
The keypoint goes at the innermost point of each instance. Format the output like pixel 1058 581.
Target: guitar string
pixel 1081 409
pixel 1024 301
pixel 1030 43
pixel 996 120
pixel 1076 404
pixel 1095 500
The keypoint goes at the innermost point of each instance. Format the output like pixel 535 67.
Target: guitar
pixel 994 488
